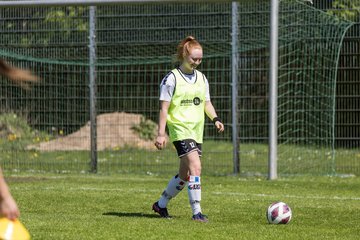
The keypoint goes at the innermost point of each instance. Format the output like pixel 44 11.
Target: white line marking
pixel 262 195
pixel 287 196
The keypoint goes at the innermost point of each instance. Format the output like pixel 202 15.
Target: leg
pixel 175 185
pixel 190 166
pixel 189 153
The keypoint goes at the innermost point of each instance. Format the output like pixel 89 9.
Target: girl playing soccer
pixel 184 97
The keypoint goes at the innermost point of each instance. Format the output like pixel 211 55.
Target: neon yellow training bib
pixel 186 114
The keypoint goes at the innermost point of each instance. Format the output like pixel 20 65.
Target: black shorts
pixel 186 146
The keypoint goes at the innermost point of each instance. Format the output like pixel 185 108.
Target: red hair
pixel 185 46
pixel 17 75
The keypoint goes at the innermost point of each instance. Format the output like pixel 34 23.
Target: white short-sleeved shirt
pixel 168 84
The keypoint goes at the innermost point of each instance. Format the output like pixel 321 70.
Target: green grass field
pixel 85 206
pixel 217 160
pixel 116 202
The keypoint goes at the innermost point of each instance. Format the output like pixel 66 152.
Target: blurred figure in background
pixel 8 206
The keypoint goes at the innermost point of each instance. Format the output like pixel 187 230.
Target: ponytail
pixel 185 46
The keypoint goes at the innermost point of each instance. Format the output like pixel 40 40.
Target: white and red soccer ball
pixel 279 213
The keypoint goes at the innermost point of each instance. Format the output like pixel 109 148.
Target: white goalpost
pixel 273 86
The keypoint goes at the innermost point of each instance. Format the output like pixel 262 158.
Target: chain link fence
pixel 49 128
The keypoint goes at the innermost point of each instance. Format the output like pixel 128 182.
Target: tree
pixel 346 9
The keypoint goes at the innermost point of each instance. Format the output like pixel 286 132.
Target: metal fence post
pixel 234 80
pixel 92 87
pixel 273 86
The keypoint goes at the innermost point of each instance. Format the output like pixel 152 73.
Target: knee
pixel 196 170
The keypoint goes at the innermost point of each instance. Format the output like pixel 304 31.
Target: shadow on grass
pixel 130 214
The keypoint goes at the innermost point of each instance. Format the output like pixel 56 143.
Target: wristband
pixel 215 119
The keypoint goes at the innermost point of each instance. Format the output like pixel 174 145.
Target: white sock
pixel 174 186
pixel 194 192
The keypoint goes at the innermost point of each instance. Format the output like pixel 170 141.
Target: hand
pixel 219 126
pixel 160 142
pixel 8 208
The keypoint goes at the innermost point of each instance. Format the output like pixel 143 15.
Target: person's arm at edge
pixel 8 206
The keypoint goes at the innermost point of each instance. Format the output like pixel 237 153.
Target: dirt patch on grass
pixel 114 131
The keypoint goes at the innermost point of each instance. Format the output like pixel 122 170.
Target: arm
pixel 161 136
pixel 8 207
pixel 211 113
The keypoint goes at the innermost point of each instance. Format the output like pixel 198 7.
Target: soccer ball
pixel 279 213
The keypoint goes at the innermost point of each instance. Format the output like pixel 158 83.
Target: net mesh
pixel 134 47
pixel 309 45
pixel 307 82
